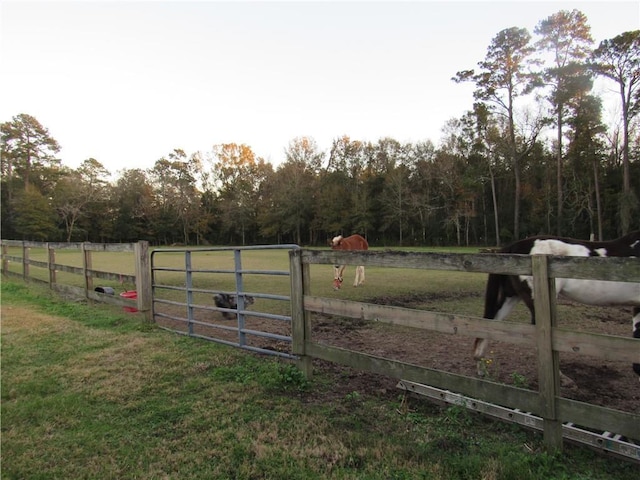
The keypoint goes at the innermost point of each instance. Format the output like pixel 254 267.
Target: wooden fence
pixel 545 336
pixel 16 262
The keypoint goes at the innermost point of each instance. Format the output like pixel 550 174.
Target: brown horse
pixel 354 242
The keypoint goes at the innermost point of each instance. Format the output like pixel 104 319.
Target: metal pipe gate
pixel 196 301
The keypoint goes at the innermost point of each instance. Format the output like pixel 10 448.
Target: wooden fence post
pixel 548 360
pixel 143 278
pixel 25 262
pixel 298 320
pixel 5 260
pixel 51 260
pixel 87 265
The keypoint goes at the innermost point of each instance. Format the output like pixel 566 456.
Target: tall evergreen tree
pixel 27 159
pixel 27 146
pixel 619 60
pixel 35 218
pixel 503 77
pixel 567 36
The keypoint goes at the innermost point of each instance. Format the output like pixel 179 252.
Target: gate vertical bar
pixel 240 305
pixel 189 286
pixel 298 315
pixel 25 262
pixel 548 359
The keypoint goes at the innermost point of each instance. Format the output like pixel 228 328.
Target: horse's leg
pixel 359 276
pixel 338 270
pixel 481 344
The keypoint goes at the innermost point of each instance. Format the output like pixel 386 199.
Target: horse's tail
pixel 494 294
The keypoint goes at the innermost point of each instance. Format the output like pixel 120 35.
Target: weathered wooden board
pixel 608 347
pixel 612 268
pixel 440 322
pixel 494 392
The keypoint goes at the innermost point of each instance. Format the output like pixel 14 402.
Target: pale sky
pixel 128 82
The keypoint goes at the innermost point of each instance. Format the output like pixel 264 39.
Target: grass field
pixel 380 281
pixel 93 393
pixel 123 262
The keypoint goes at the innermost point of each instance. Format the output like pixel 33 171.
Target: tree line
pixel 532 155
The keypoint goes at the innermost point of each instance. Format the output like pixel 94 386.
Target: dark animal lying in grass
pixel 225 300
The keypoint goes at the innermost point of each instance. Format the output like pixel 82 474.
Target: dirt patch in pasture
pixel 597 381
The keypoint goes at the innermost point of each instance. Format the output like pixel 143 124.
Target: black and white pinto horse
pixel 503 292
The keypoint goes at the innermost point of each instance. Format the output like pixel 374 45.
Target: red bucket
pixel 131 294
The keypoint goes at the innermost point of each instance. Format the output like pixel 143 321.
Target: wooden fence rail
pixel 16 261
pixel 545 336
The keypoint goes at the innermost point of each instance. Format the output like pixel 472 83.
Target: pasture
pixel 91 392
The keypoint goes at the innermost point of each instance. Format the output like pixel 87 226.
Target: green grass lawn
pixel 93 393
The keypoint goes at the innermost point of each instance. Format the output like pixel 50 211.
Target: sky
pixel 128 82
